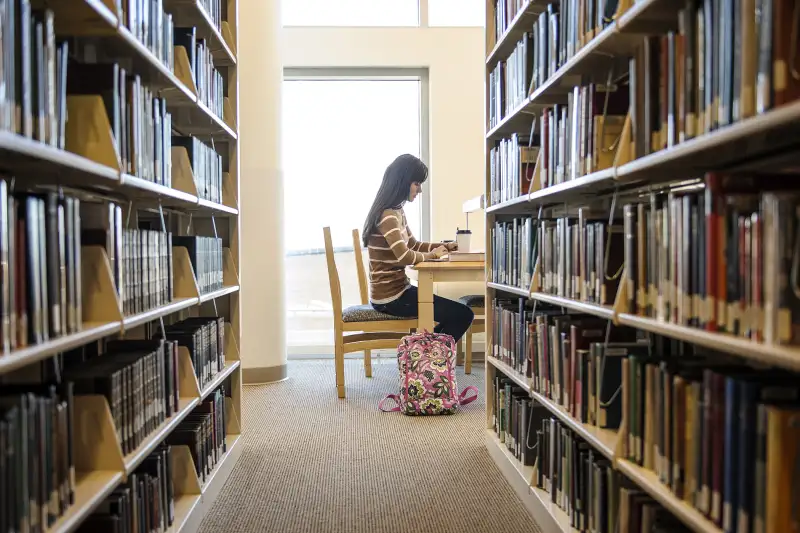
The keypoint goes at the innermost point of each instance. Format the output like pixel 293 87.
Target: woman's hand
pixel 451 246
pixel 439 252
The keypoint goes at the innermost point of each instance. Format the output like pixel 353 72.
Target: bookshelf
pixel 119 260
pixel 640 202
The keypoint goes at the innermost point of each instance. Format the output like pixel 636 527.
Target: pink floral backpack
pixel 428 386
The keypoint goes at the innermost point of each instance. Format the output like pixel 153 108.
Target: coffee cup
pixel 463 237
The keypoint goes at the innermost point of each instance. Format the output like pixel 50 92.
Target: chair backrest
pixel 333 278
pixel 363 287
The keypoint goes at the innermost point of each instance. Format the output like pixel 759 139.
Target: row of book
pixel 206 165
pixel 504 13
pixel 144 503
pixel 583 136
pixel 33 102
pixel 569 472
pixel 512 163
pixel 40 269
pixel 140 259
pixel 581 259
pixel 141 126
pixel 718 257
pixel 204 432
pixel 514 251
pixel 151 25
pixel 204 338
pixel 213 9
pixel 723 437
pixel 37 465
pixel 207 260
pixel 509 82
pixel 723 64
pixel 140 380
pixel 207 80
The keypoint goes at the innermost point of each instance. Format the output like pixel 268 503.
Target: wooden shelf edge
pixel 185 507
pixel 512 374
pixel 508 288
pixel 778 355
pixel 222 375
pixel 493 132
pixel 603 440
pixel 649 482
pixel 151 442
pixel 224 291
pixel 232 443
pixel 31 354
pixel 176 305
pixel 575 305
pixel 161 191
pixel 218 208
pixel 92 488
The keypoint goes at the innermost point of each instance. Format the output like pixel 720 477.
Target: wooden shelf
pixel 560 520
pixel 509 289
pixel 224 291
pixel 512 374
pixel 90 491
pixel 519 25
pixel 575 305
pixel 135 458
pixel 32 354
pixel 603 440
pixel 649 482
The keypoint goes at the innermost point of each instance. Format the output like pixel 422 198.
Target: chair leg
pixel 460 352
pixel 339 353
pixel 468 352
pixel 368 363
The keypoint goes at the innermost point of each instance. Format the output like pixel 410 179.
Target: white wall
pixel 454 59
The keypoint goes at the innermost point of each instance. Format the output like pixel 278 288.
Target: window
pixel 350 12
pixel 339 134
pixel 463 13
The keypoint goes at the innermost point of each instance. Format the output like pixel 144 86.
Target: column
pixel 263 341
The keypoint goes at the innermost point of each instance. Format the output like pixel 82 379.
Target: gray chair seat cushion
pixel 366 313
pixel 473 300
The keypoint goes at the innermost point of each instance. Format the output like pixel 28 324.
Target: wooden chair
pixel 476 302
pixel 367 328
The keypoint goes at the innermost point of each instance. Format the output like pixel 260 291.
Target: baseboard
pixel 260 375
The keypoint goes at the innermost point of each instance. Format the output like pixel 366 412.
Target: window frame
pixel 383 74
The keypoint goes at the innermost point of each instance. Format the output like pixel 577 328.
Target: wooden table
pixel 428 273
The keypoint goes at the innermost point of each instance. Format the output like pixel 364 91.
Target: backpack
pixel 428 386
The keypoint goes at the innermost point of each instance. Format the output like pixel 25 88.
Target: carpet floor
pixel 312 463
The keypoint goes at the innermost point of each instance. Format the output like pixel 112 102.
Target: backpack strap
pixel 463 400
pixel 395 398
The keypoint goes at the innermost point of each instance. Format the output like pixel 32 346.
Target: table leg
pixel 425 300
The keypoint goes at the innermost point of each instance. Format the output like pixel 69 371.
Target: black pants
pixel 453 318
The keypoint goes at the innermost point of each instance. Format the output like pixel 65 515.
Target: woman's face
pixel 416 189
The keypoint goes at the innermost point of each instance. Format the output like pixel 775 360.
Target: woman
pixel 392 247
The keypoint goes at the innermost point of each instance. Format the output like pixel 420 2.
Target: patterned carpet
pixel 314 464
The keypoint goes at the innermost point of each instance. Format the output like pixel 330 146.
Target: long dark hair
pixel 394 189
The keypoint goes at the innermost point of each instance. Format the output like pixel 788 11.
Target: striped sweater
pixel 391 249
